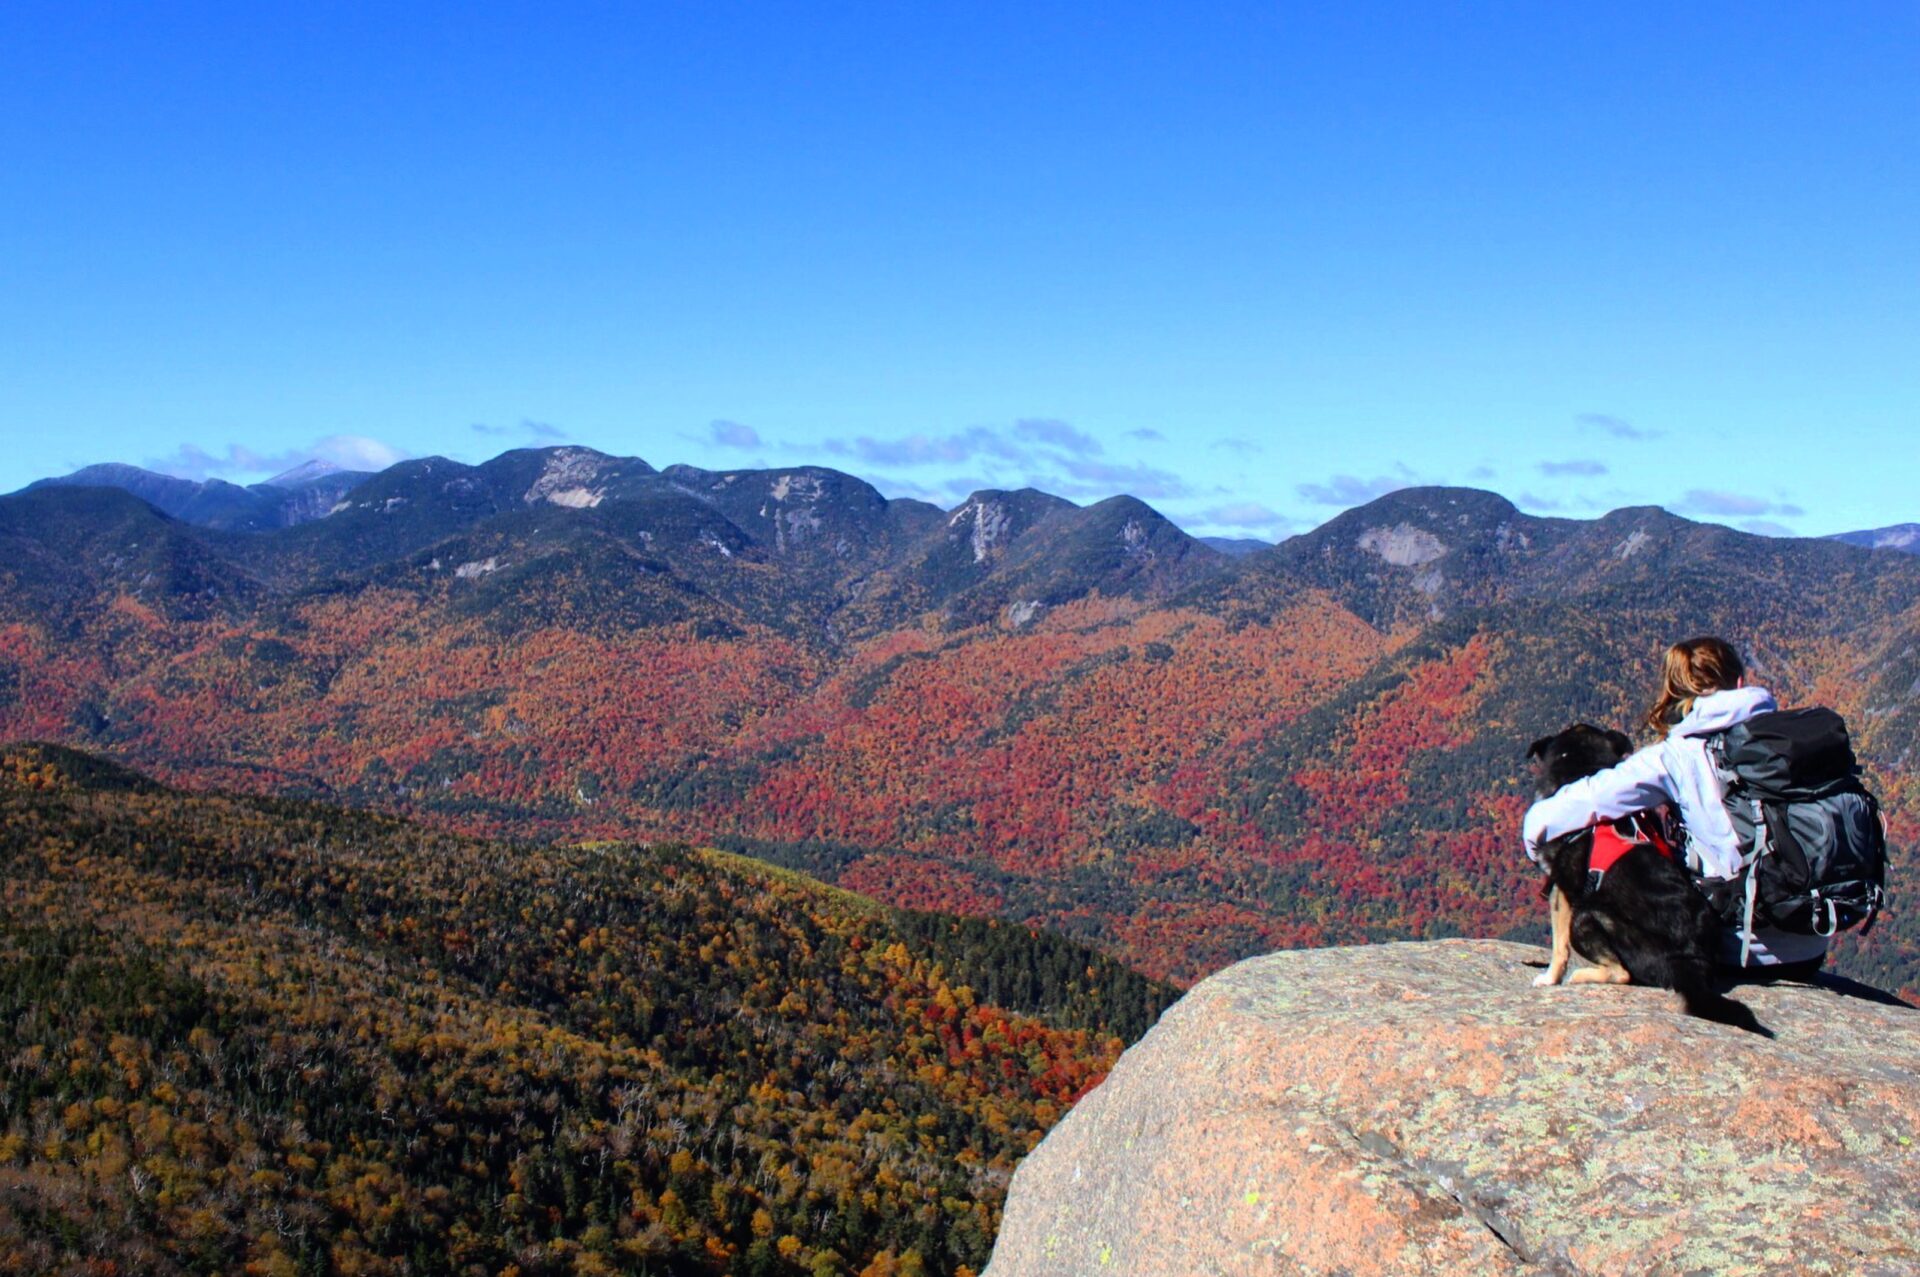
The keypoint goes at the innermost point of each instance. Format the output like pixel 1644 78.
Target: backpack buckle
pixel 1833 916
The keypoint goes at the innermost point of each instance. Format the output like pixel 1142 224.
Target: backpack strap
pixel 1879 891
pixel 1715 744
pixel 1762 844
pixel 1734 789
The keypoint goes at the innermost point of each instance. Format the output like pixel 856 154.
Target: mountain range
pixel 300 495
pixel 316 488
pixel 1074 716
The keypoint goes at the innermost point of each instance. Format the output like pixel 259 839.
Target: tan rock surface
pixel 1421 1108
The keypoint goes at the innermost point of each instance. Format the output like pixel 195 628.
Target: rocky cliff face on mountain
pixel 1422 1109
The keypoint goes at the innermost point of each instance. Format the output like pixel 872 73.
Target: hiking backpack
pixel 1813 849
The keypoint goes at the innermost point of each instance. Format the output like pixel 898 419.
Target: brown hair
pixel 1693 667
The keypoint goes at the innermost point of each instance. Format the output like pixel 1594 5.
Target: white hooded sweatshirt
pixel 1675 770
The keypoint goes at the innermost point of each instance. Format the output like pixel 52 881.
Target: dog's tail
pixel 1694 982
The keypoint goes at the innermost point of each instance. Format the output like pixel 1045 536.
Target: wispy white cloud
pixel 349 452
pixel 946 493
pixel 531 429
pixel 1058 434
pixel 1147 435
pixel 1555 469
pixel 732 434
pixel 1029 441
pixel 1349 490
pixel 1039 452
pixel 1733 505
pixel 1616 426
pixel 1247 518
pixel 928 450
pixel 1088 478
pixel 1238 447
pixel 892 487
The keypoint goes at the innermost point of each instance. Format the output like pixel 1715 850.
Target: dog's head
pixel 1580 750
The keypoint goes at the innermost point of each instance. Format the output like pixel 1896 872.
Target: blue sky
pixel 1252 263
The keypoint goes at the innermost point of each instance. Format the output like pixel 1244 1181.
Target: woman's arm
pixel 1636 783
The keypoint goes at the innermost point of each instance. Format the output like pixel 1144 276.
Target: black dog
pixel 1641 920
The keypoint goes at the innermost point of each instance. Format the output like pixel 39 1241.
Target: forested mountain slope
pixel 258 1034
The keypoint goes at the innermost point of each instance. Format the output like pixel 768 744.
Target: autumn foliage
pixel 278 1037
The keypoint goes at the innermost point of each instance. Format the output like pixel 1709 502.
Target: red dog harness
pixel 1614 839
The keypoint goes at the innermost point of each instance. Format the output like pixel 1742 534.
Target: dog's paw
pixel 1546 980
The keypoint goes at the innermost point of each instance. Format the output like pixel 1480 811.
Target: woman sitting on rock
pixel 1704 690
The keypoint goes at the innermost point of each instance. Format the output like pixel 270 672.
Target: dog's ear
pixel 1537 759
pixel 1620 742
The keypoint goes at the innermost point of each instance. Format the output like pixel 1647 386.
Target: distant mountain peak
pixel 118 474
pixel 306 472
pixel 990 518
pixel 114 473
pixel 1901 536
pixel 1460 505
pixel 1415 526
pixel 1237 547
pixel 214 503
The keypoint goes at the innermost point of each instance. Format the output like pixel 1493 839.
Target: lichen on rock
pixel 1422 1108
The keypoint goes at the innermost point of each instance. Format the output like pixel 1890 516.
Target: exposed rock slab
pixel 1421 1108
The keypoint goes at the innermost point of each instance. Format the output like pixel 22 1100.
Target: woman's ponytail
pixel 1693 667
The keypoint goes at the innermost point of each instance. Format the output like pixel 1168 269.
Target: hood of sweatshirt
pixel 1717 711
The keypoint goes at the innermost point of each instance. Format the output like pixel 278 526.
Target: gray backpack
pixel 1813 848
